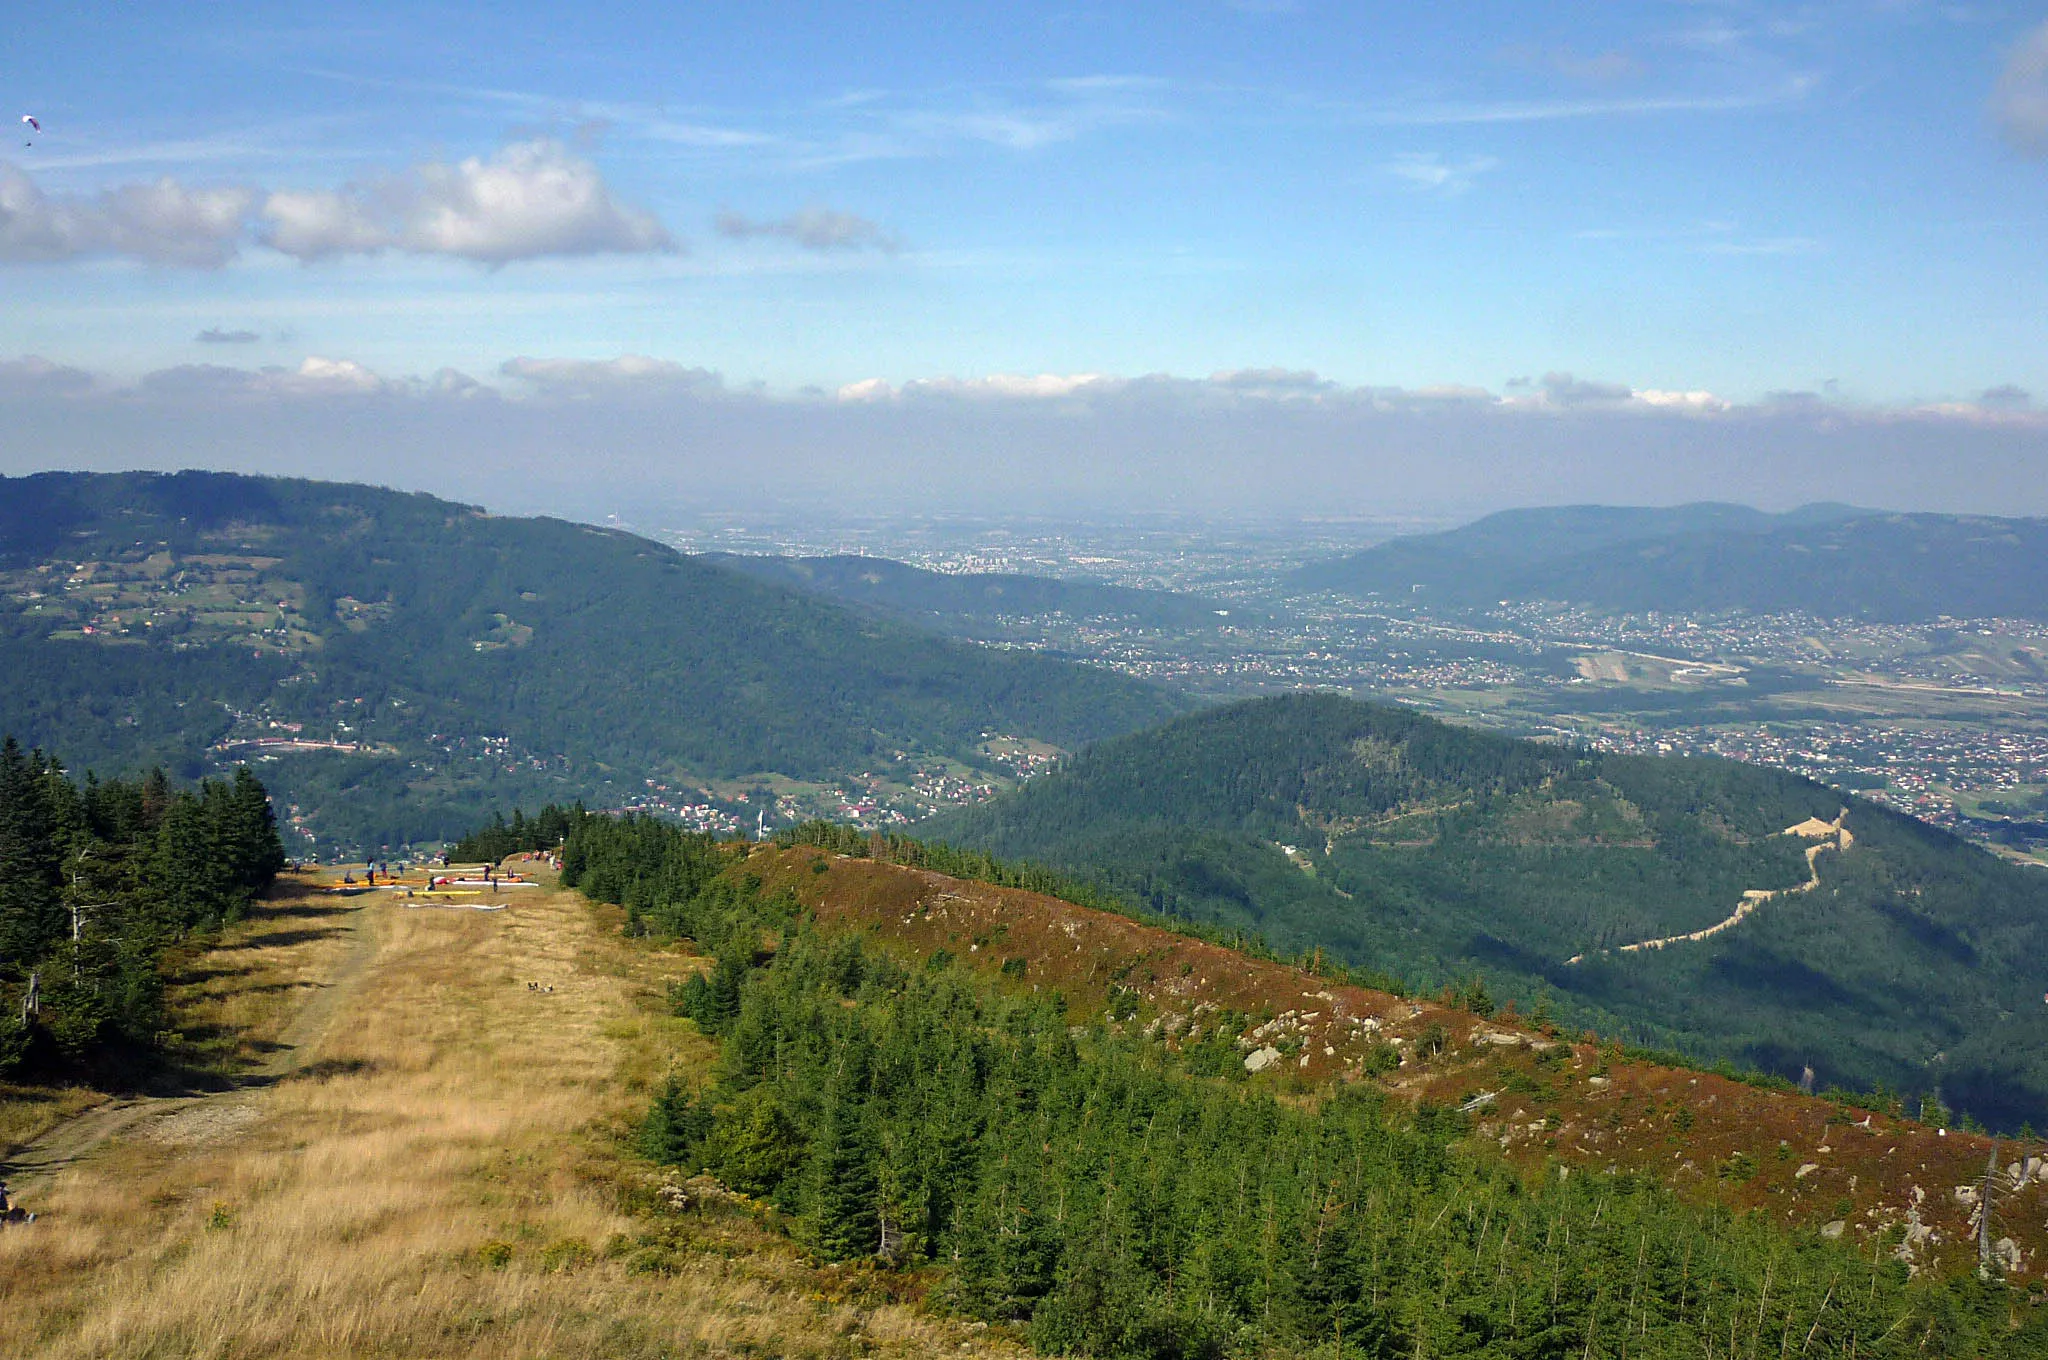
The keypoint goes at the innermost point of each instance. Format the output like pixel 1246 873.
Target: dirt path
pixel 1755 897
pixel 178 1117
pixel 441 1166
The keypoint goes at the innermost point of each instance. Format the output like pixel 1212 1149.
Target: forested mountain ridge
pixel 408 661
pixel 1434 854
pixel 970 602
pixel 1122 1141
pixel 1826 560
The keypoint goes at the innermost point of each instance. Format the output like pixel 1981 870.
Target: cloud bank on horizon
pixel 587 437
pixel 1729 249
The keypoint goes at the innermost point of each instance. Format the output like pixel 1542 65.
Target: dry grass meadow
pixel 429 1162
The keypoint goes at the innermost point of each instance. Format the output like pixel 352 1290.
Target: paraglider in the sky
pixel 29 119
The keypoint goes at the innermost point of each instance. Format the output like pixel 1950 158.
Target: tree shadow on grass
pixel 280 939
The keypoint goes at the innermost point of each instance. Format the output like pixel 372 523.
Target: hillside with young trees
pixel 401 664
pixel 1897 956
pixel 1108 1139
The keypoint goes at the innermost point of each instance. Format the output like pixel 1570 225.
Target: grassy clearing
pixel 27 1109
pixel 230 1001
pixel 233 1004
pixel 442 1176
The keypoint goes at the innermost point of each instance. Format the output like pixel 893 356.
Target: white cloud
pixel 585 437
pixel 1680 401
pixel 1431 173
pixel 449 382
pixel 1562 389
pixel 1596 68
pixel 700 135
pixel 1770 245
pixel 528 200
pixel 1237 388
pixel 627 372
pixel 1038 386
pixel 1030 388
pixel 315 224
pixel 1272 381
pixel 1444 393
pixel 1452 114
pixel 2020 103
pixel 33 373
pixel 642 382
pixel 316 374
pixel 1025 120
pixel 172 224
pixel 163 222
pixel 1017 131
pixel 814 228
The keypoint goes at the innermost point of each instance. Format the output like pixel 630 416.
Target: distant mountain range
pixel 1436 853
pixel 1828 560
pixel 974 603
pixel 464 660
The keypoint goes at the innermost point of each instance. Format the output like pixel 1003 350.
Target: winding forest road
pixel 1838 839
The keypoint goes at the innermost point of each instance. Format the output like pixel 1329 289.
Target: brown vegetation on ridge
pixel 1534 1095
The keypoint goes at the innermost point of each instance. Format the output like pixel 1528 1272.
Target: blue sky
pixel 1847 201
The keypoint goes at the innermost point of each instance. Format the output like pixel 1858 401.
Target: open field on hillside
pixel 433 1163
pixel 428 1151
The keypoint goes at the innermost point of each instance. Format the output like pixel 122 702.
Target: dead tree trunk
pixel 1984 1198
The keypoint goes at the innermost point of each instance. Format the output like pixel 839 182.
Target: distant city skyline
pixel 1264 257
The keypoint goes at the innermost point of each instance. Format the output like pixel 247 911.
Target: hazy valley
pixel 1052 858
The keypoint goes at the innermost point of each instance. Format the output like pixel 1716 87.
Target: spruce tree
pixel 839 1211
pixel 675 1126
pixel 253 831
pixel 30 860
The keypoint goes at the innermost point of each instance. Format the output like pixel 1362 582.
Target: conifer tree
pixel 840 1218
pixel 675 1126
pixel 96 880
pixel 30 860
